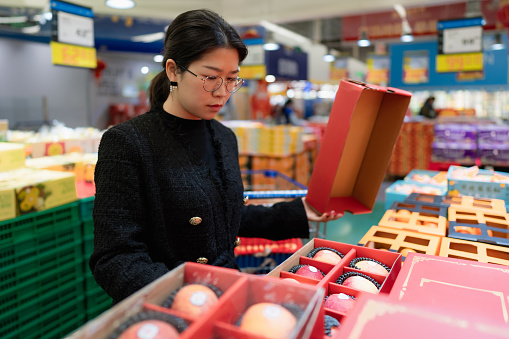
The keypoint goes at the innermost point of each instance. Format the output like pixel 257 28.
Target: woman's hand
pixel 313 215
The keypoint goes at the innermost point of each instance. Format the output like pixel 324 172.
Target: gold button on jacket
pixel 237 242
pixel 195 221
pixel 245 200
pixel 202 260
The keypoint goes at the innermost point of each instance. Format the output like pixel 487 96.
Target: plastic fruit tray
pixel 239 291
pixel 395 240
pixel 417 217
pixel 483 226
pixel 469 250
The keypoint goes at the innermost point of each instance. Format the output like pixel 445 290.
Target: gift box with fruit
pixel 427 177
pixel 416 217
pixel 203 301
pixel 401 241
pixel 344 271
pixel 401 189
pixel 481 225
pixel 475 251
pixel 478 183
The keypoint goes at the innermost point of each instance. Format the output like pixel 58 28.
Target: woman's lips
pixel 216 107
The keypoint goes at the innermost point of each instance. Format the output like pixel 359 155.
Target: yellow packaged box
pixel 12 156
pixel 37 190
pixel 71 162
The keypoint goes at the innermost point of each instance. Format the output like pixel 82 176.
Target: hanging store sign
pixel 253 72
pixel 378 69
pixel 72 35
pixel 460 45
pixel 287 64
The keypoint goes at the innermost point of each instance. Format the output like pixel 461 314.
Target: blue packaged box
pixel 435 178
pixel 478 183
pixel 401 189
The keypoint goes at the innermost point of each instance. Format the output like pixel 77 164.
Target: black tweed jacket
pixel 149 185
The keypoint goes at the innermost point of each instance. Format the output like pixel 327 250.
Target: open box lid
pixel 359 139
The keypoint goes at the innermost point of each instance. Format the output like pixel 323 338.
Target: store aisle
pixel 351 228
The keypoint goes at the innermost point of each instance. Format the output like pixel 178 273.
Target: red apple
pixel 327 256
pixel 150 329
pixel 340 302
pixel 360 283
pixel 311 272
pixel 268 320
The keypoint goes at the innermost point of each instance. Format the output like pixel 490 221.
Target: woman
pixel 168 183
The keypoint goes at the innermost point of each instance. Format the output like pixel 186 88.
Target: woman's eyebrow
pixel 220 70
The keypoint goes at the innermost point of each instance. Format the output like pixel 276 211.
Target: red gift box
pixel 479 289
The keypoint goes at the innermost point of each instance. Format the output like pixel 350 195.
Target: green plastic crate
pixel 96 302
pixel 18 295
pixel 33 224
pixel 32 248
pixel 90 283
pixel 40 316
pixel 21 273
pixel 88 228
pixel 86 208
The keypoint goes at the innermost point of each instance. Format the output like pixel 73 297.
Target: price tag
pixel 72 55
pixel 460 62
pixel 462 40
pixel 75 29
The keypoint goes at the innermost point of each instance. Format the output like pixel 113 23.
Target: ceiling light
pixel 120 4
pixel 407 38
pixel 270 44
pixel 363 41
pixel 158 58
pixel 144 70
pixel 329 57
pixel 498 44
pixel 270 78
pixel 148 37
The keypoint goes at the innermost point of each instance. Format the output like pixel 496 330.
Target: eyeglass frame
pixel 222 81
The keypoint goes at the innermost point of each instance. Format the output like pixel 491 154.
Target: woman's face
pixel 190 100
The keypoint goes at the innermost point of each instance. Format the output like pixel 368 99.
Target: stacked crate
pixel 96 300
pixel 41 275
pixel 412 149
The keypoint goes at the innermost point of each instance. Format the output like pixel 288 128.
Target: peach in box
pixel 363 126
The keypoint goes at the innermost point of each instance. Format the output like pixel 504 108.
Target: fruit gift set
pixel 346 272
pixel 204 301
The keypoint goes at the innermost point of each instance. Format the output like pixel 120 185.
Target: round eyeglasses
pixel 212 83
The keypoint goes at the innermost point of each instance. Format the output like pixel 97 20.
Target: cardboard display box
pixel 478 183
pixel 463 202
pixel 455 285
pixel 404 242
pixel 35 190
pixel 382 317
pixel 12 156
pixel 476 251
pixel 401 190
pixel 239 292
pixel 416 217
pixel 363 126
pixel 479 225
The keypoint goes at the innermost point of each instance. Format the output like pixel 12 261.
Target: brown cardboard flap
pixel 360 136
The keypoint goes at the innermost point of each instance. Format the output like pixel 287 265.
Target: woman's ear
pixel 171 70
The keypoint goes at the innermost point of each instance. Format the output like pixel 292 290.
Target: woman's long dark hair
pixel 188 37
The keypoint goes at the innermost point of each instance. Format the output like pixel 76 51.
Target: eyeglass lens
pixel 213 83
